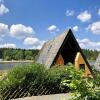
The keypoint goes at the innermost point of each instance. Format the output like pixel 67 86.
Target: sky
pixel 28 24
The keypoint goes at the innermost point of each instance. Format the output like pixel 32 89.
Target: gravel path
pixel 48 97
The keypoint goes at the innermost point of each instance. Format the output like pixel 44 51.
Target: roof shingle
pixel 50 49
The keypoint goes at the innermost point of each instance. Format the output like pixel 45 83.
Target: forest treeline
pixel 24 54
pixel 17 54
pixel 91 54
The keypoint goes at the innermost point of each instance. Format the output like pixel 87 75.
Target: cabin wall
pixel 59 60
pixel 79 61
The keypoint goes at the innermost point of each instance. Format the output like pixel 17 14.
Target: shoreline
pixel 14 61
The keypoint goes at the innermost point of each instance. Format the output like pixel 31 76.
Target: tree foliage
pixel 17 54
pixel 90 54
pixel 23 54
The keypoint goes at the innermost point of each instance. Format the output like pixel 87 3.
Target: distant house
pixel 97 63
pixel 62 50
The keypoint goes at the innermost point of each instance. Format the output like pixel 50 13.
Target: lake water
pixel 9 65
pixel 91 63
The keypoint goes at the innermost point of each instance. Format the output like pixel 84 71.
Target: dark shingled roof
pixel 50 49
pixel 97 63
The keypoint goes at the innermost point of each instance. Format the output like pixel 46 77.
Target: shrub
pixel 83 88
pixel 58 79
pixel 23 74
pixel 54 77
pixel 34 76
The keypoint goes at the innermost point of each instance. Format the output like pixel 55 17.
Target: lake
pixel 9 65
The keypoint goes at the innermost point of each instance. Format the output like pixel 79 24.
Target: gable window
pixel 82 67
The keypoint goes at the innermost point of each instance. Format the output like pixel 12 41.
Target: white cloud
pixel 84 16
pixel 87 43
pixel 21 31
pixel 3 9
pixel 75 28
pixel 99 12
pixel 18 31
pixel 3 29
pixel 38 46
pixel 70 13
pixel 53 29
pixel 8 45
pixel 94 28
pixel 34 42
pixel 31 41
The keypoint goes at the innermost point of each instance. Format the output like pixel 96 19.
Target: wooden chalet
pixel 62 50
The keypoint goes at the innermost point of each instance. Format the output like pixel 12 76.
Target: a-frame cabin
pixel 62 50
pixel 97 63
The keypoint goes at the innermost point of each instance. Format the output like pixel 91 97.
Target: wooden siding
pixel 79 60
pixel 59 60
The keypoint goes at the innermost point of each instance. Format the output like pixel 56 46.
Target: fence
pixel 29 90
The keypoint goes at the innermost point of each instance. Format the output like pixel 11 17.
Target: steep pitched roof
pixel 97 63
pixel 50 49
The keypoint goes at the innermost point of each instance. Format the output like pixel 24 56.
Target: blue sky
pixel 29 23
